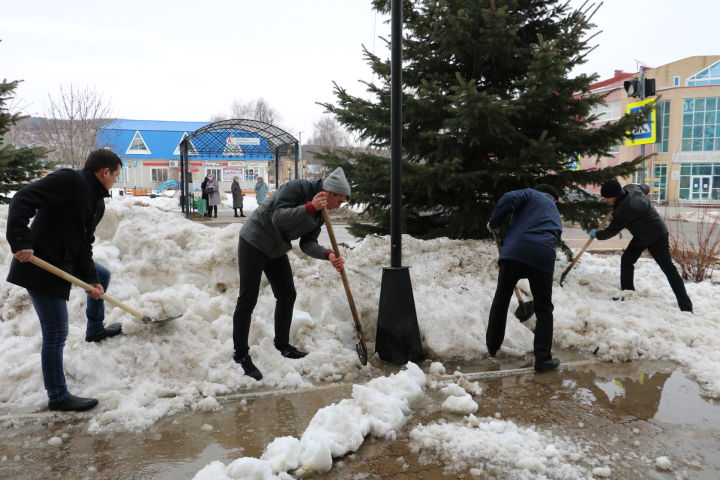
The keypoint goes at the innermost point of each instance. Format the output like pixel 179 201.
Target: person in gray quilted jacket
pixel 294 211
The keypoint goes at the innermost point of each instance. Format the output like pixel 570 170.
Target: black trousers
pixel 541 288
pixel 660 251
pixel 252 264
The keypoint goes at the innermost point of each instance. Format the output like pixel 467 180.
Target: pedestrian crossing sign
pixel 646 133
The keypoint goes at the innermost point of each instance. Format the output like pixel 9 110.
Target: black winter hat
pixel 611 188
pixel 549 189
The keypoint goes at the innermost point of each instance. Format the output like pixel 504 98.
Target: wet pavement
pixel 626 414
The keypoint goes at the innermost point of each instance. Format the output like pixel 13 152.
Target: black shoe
pixel 547 365
pixel 111 331
pixel 73 404
pixel 249 367
pixel 242 215
pixel 288 351
pixel 236 216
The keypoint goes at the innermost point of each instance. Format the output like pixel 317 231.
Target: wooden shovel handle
pixel 76 281
pixel 343 275
pixel 582 250
pixel 499 247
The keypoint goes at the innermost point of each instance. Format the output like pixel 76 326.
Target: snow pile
pixel 499 448
pixel 458 400
pixel 378 408
pixel 165 265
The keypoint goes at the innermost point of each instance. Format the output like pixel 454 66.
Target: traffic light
pixel 649 87
pixel 632 87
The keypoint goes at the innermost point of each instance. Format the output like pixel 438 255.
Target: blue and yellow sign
pixel 572 163
pixel 646 133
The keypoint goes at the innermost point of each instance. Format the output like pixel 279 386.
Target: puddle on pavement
pixel 651 409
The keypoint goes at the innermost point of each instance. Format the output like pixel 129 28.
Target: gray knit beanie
pixel 337 183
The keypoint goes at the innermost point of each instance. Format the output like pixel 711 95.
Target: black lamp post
pixel 398 336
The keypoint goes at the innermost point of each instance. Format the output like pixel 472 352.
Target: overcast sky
pixel 183 60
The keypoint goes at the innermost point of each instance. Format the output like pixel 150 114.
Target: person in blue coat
pixel 261 189
pixel 528 252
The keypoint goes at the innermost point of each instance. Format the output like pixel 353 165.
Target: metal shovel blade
pixel 361 350
pixel 152 321
pixel 525 310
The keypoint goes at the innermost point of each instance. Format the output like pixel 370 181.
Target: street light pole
pixel 397 339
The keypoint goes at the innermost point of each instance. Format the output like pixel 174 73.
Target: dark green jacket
pixel 283 218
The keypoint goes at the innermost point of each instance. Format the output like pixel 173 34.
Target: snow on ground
pixel 165 265
pixel 379 408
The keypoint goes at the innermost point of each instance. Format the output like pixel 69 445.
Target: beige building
pixel 686 165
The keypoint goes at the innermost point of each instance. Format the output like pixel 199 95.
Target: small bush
pixel 696 249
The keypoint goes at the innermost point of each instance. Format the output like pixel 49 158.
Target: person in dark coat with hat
pixel 237 196
pixel 528 252
pixel 632 210
pixel 294 211
pixel 67 206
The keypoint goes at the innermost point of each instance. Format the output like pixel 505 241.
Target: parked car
pixel 578 194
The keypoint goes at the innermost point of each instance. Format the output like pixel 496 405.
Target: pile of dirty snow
pixel 165 265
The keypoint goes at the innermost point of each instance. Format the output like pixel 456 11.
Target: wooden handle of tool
pixel 582 250
pixel 76 281
pixel 343 275
pixel 499 247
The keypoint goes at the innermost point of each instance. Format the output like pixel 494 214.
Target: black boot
pixel 288 351
pixel 235 209
pixel 110 331
pixel 73 404
pixel 241 213
pixel 248 366
pixel 547 365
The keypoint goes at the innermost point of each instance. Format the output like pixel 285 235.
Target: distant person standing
pixel 238 196
pixel 261 189
pixel 213 191
pixel 528 252
pixel 204 195
pixel 632 210
pixel 65 207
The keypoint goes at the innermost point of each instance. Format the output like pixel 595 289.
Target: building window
pixel 660 172
pixel 663 127
pixel 607 111
pixel 123 177
pixel 701 124
pixel 614 150
pixel 709 76
pixel 215 171
pixel 676 81
pixel 159 175
pixel 699 181
pixel 137 146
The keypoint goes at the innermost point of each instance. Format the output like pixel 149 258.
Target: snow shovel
pixel 582 250
pixel 525 309
pixel 360 347
pixel 76 281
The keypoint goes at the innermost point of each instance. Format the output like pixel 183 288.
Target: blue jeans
pixel 53 315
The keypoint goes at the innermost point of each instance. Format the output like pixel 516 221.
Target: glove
pixel 593 233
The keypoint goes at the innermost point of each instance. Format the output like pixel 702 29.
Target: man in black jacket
pixel 633 210
pixel 67 206
pixel 294 211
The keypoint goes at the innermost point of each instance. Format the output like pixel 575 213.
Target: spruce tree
pixel 18 166
pixel 489 105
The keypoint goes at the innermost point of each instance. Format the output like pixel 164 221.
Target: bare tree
pixel 258 109
pixel 73 118
pixel 327 132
